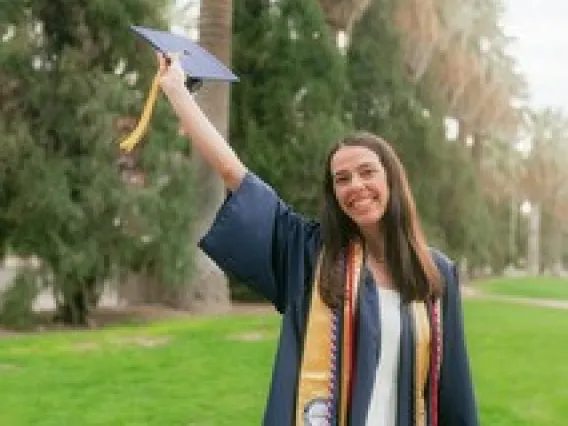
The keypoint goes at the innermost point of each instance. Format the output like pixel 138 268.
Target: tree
pixel 74 78
pixel 342 14
pixel 385 100
pixel 210 289
pixel 287 108
pixel 455 51
pixel 544 184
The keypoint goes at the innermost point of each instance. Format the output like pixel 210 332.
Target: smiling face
pixel 360 185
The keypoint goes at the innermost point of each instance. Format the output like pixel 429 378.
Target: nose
pixel 356 182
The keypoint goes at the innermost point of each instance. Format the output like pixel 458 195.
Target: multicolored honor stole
pixel 435 311
pixel 427 360
pixel 318 373
pixel 319 370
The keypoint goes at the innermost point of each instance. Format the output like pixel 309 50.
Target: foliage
pixel 456 214
pixel 74 76
pixel 543 181
pixel 16 303
pixel 286 110
pixel 393 110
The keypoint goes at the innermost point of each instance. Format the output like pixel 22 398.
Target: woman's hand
pixel 172 76
pixel 203 135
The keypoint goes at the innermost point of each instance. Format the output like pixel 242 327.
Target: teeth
pixel 360 203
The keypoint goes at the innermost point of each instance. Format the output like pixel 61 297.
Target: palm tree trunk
pixel 533 257
pixel 209 290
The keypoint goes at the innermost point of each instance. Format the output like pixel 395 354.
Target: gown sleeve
pixel 260 241
pixel 457 397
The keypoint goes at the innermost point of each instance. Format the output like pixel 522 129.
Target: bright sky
pixel 541 48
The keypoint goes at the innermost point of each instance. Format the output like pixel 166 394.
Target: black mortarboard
pixel 196 62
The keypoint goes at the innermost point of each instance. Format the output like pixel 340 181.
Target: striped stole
pixel 427 359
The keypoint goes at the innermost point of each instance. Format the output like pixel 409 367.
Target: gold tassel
pixel 131 140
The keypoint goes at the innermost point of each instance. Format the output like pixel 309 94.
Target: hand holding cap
pixel 181 61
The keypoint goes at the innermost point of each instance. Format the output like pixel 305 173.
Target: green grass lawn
pixel 193 372
pixel 541 287
pixel 519 363
pixel 215 372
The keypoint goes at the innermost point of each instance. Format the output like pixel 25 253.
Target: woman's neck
pixel 375 245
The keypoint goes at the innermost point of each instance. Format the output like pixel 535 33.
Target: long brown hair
pixel 413 270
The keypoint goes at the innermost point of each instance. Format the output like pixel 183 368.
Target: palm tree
pixel 209 291
pixel 455 51
pixel 545 177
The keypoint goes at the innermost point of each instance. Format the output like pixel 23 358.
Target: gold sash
pixel 318 370
pixel 422 359
pixel 427 358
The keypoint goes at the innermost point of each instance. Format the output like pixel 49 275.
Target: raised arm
pixel 204 136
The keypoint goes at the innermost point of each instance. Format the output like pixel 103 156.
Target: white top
pixel 382 409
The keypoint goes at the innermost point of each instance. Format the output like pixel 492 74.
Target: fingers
pixel 162 65
pixel 165 60
pixel 171 76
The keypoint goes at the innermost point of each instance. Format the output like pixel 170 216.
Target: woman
pixel 372 328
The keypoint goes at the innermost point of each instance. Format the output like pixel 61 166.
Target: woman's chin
pixel 368 221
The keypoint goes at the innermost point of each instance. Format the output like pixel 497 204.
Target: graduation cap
pixel 197 63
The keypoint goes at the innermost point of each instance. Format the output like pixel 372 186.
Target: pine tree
pixel 66 102
pixel 287 108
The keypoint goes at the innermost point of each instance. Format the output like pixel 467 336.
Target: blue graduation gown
pixel 259 240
